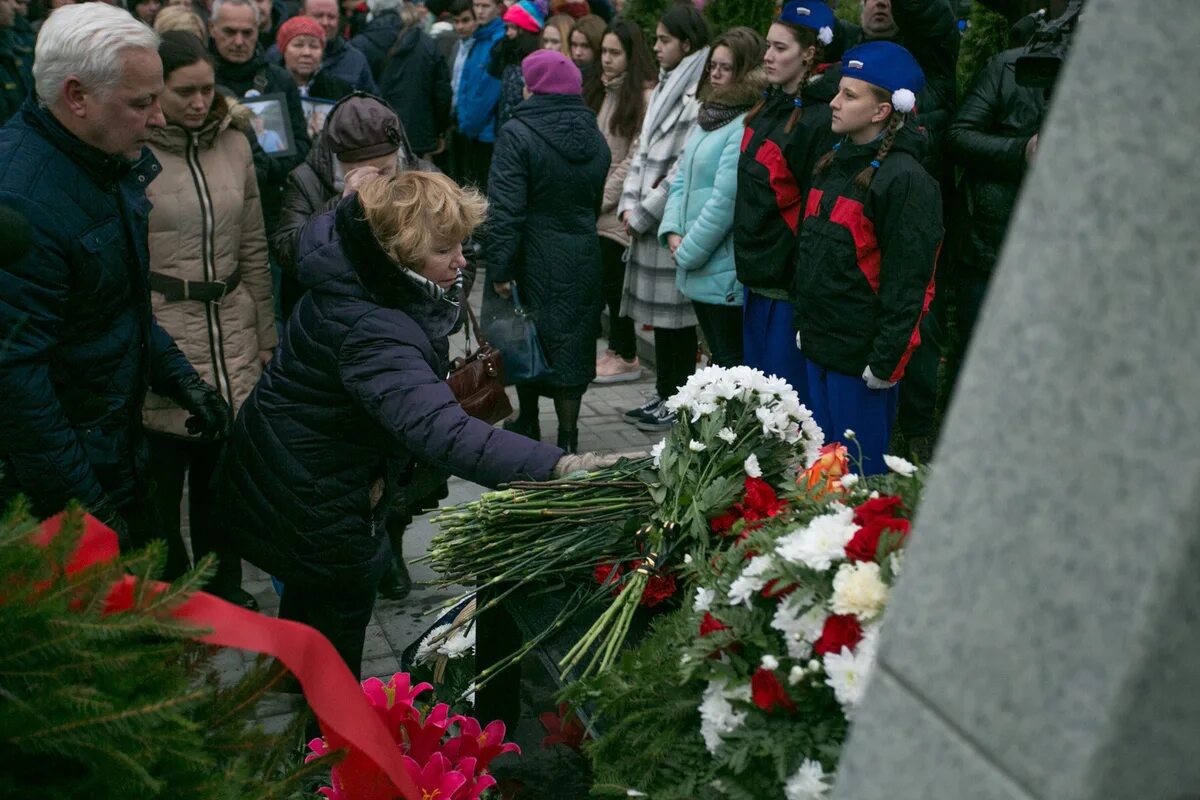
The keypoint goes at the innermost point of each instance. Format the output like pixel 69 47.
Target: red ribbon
pixel 373 768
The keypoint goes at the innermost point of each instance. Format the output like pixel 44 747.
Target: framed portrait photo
pixel 270 122
pixel 316 111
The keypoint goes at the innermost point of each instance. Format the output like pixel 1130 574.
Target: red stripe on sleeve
pixel 915 339
pixel 849 214
pixel 787 193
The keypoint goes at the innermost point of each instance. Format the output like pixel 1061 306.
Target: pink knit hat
pixel 298 26
pixel 550 72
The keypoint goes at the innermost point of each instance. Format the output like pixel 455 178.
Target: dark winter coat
pixel 865 261
pixel 259 77
pixel 774 171
pixel 16 80
pixel 928 30
pixel 545 188
pixel 80 344
pixel 327 86
pixel 354 396
pixel 478 91
pixel 279 15
pixel 342 61
pixel 413 78
pixel 995 122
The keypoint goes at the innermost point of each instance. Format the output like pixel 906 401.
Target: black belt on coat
pixel 176 289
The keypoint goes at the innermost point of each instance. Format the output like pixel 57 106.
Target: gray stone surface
pixel 1044 641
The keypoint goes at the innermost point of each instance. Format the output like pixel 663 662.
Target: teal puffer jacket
pixel 700 209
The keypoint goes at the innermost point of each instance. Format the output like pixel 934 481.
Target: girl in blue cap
pixel 869 239
pixel 786 132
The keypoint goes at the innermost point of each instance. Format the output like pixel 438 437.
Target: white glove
pixel 875 383
pixel 588 462
pixel 798 347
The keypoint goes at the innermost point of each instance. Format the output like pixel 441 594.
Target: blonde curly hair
pixel 415 214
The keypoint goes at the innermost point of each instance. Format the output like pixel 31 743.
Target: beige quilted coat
pixel 206 223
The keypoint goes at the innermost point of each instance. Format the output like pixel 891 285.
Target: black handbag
pixel 477 378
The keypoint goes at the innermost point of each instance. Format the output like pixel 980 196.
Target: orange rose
pixel 823 476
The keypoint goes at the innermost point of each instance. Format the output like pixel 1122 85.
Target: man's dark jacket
pixel 80 346
pixel 412 77
pixel 353 397
pixel 987 138
pixel 928 30
pixel 262 78
pixel 340 60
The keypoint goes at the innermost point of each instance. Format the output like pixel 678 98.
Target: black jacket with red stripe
pixel 774 171
pixel 865 260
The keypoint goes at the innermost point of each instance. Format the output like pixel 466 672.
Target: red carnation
pixel 865 544
pixel 841 630
pixel 658 588
pixel 768 693
pixel 760 500
pixel 722 524
pixel 877 508
pixel 603 572
pixel 711 624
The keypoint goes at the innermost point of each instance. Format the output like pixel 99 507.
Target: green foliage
pixel 987 34
pixel 849 11
pixel 650 738
pixel 125 704
pixel 726 14
pixel 646 13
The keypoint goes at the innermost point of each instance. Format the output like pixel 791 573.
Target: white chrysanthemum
pixel 848 480
pixel 751 466
pixel 751 581
pixel 704 598
pixel 687 558
pixel 769 662
pixel 900 466
pixel 848 672
pixel 461 642
pixel 717 717
pixel 821 542
pixel 696 446
pixel 799 630
pixel 848 433
pixel 727 435
pixel 903 100
pixel 428 647
pixel 656 451
pixel 858 589
pixel 808 783
pixel 795 675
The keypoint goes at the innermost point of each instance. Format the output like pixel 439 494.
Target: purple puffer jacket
pixel 355 394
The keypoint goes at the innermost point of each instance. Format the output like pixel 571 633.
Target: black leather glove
pixel 211 416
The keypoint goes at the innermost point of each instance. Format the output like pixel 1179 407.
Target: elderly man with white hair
pixel 80 346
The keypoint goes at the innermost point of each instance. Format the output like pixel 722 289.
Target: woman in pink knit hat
pixel 545 190
pixel 301 40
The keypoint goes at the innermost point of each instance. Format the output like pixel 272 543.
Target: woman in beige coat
pixel 628 75
pixel 210 284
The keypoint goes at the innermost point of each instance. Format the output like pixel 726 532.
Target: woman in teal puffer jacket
pixel 697 224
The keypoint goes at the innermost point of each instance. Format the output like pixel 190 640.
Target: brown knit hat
pixel 363 127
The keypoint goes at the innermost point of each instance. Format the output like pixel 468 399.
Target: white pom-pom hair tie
pixel 903 100
pixel 825 35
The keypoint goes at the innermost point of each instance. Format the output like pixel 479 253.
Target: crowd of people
pixel 207 285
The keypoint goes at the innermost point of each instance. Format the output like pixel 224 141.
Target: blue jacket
pixel 354 396
pixel 478 92
pixel 79 345
pixel 700 209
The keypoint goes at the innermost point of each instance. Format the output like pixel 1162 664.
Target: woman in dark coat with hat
pixel 545 187
pixel 355 396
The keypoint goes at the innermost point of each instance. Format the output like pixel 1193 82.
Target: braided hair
pixel 863 179
pixel 806 38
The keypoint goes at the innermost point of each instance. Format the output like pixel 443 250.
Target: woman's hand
pixel 625 223
pixel 503 289
pixel 673 242
pixel 265 356
pixel 357 177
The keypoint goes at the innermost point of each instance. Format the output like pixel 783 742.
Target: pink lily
pixel 425 737
pixel 481 744
pixel 476 783
pixel 437 781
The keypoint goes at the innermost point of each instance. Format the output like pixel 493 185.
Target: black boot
pixel 526 427
pixel 396 583
pixel 526 422
pixel 568 440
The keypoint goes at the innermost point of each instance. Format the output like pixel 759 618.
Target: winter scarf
pixel 721 106
pixel 672 86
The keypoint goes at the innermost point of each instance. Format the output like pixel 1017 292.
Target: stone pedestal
pixel 1044 641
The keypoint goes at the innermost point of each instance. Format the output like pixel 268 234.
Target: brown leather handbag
pixel 477 378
